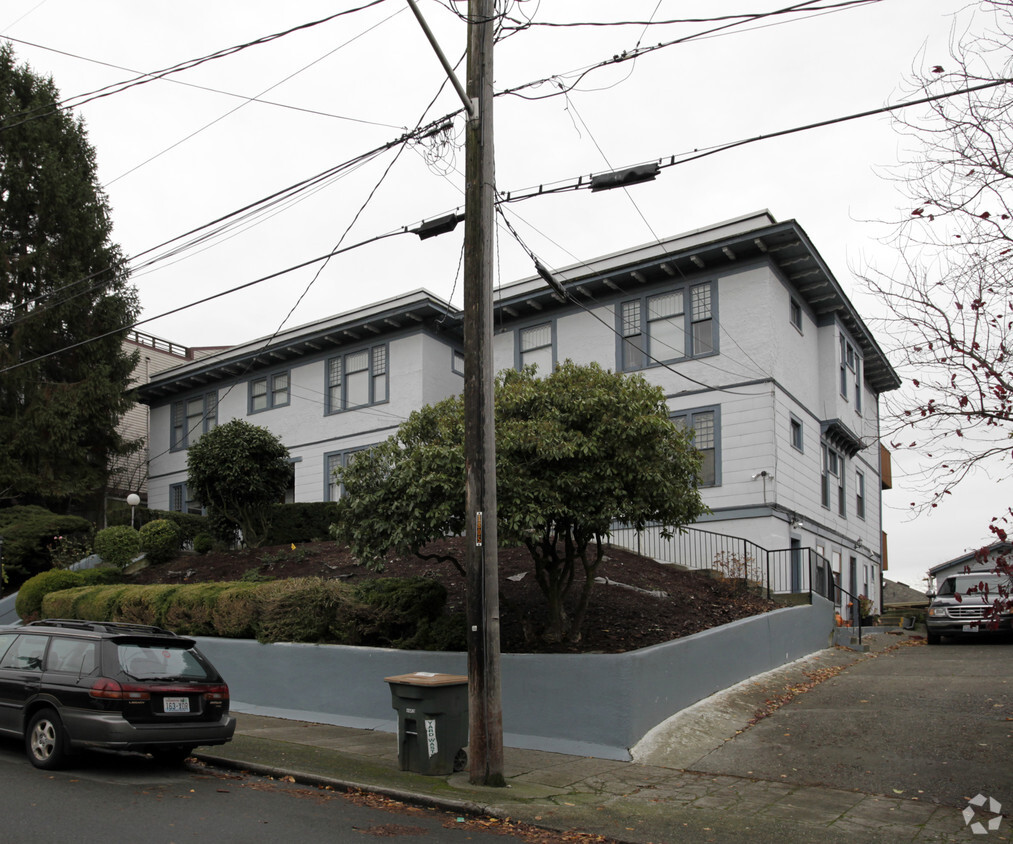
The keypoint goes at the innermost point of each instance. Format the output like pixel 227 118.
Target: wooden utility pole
pixel 485 712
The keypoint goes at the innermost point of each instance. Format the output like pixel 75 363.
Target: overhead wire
pixel 564 294
pixel 206 88
pixel 205 300
pixel 242 105
pixel 79 100
pixel 633 54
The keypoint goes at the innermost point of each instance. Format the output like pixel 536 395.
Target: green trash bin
pixel 432 721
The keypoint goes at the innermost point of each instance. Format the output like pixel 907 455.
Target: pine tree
pixel 63 288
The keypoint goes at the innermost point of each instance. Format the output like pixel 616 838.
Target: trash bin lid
pixel 428 678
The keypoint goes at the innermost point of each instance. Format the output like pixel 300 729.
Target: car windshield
pixel 160 662
pixel 995 584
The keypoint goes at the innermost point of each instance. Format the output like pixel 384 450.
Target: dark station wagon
pixel 69 685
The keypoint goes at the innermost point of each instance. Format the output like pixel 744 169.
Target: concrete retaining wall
pixel 589 704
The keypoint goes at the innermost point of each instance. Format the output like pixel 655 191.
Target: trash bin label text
pixel 431 736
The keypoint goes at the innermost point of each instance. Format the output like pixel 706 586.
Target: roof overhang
pixel 717 249
pixel 416 310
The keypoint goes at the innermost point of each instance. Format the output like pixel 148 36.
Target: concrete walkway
pixel 679 788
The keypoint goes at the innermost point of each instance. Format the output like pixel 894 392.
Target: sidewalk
pixel 658 798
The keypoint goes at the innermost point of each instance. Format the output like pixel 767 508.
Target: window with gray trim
pixel 269 392
pixel 795 432
pixel 357 379
pixel 191 418
pixel 180 503
pixel 334 460
pixel 667 326
pixel 860 495
pixel 795 313
pixel 832 466
pixel 534 346
pixel 706 439
pixel 457 362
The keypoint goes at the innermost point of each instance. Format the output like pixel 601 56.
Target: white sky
pixel 372 73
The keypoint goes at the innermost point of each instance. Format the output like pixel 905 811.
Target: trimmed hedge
pixel 30 598
pixel 387 613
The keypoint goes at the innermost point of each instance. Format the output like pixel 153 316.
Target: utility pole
pixel 485 712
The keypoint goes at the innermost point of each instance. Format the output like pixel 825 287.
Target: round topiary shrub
pixel 203 542
pixel 160 541
pixel 117 545
pixel 28 604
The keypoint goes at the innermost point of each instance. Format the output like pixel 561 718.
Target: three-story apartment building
pixel 742 324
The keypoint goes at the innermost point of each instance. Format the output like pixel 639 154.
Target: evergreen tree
pixel 62 283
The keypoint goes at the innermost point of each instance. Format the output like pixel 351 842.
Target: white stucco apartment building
pixel 742 324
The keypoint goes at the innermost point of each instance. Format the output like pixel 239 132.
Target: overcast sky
pixel 179 152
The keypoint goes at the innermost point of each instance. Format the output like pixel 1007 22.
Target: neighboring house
pixel 971 562
pixel 155 355
pixel 899 597
pixel 742 324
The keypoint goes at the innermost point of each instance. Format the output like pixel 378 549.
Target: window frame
pixel 520 351
pixel 373 378
pixel 860 494
pixel 795 425
pixel 457 361
pixel 342 456
pixel 179 432
pixel 270 391
pixel 178 493
pixel 635 349
pixel 689 415
pixel 795 313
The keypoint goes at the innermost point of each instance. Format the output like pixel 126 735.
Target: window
pixel 704 424
pixel 333 490
pixel 191 418
pixel 860 495
pixel 357 379
pixel 795 313
pixel 659 328
pixel 26 653
pixel 850 371
pixel 534 346
pixel 858 384
pixel 268 392
pixel 795 432
pixel 842 502
pixel 179 502
pixel 457 362
pixel 832 466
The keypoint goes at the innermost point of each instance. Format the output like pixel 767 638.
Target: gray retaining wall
pixel 587 704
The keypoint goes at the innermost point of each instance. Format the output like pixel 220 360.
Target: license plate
pixel 176 704
pixel 970 628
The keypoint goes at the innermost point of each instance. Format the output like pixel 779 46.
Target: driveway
pixel 926 723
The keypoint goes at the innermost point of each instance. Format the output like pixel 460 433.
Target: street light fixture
pixel 133 500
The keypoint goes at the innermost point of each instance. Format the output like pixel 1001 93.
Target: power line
pixel 188 64
pixel 232 111
pixel 636 52
pixel 205 300
pixel 584 182
pixel 207 88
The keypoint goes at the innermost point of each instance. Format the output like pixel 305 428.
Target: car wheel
pixel 46 741
pixel 933 638
pixel 171 755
